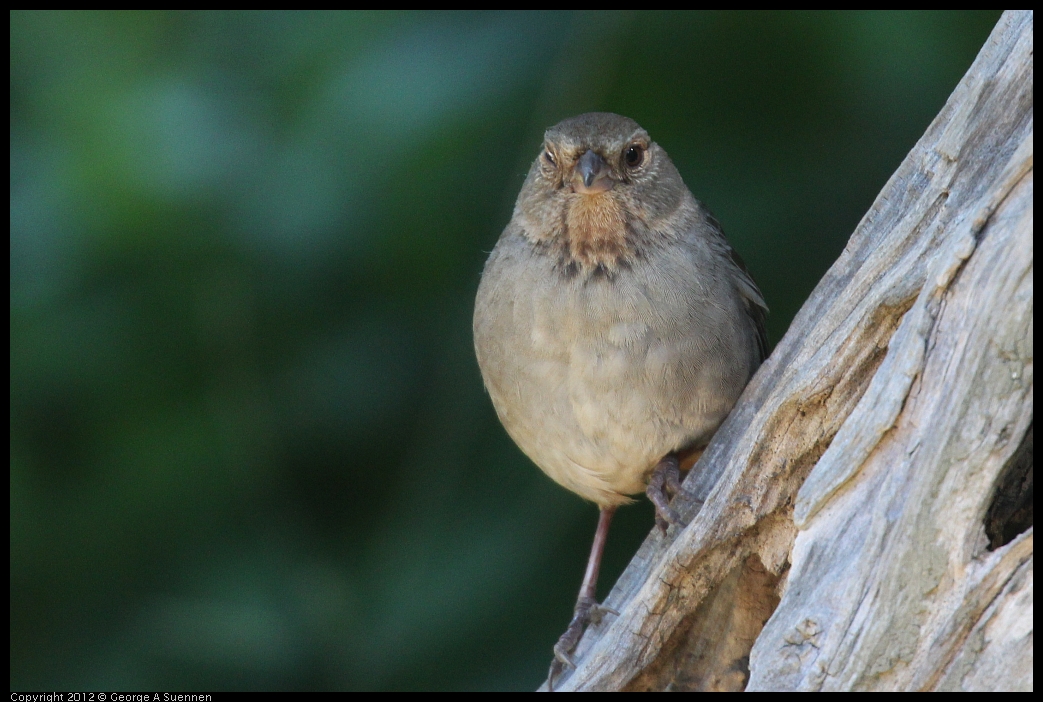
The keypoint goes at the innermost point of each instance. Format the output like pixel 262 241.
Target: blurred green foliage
pixel 249 443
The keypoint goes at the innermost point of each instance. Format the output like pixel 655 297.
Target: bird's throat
pixel 596 232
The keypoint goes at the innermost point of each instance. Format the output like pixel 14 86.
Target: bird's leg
pixel 664 484
pixel 587 609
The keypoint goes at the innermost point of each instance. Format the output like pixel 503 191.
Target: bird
pixel 614 326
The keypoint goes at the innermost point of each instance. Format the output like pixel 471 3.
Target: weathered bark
pixel 837 532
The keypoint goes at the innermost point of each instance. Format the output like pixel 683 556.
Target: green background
pixel 249 442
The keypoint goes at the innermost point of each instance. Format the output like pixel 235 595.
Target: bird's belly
pixel 601 408
pixel 596 381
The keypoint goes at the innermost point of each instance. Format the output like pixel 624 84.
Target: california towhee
pixel 615 327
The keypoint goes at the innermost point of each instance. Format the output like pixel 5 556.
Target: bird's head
pixel 598 183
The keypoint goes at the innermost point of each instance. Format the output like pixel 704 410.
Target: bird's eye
pixel 549 158
pixel 634 155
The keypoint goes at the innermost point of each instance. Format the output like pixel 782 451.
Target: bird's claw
pixel 587 612
pixel 563 658
pixel 598 612
pixel 664 484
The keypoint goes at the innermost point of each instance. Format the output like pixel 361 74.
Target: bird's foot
pixel 587 612
pixel 664 484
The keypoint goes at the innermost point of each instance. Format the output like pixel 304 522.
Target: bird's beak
pixel 591 175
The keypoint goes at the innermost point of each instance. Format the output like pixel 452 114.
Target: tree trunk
pixel 863 519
